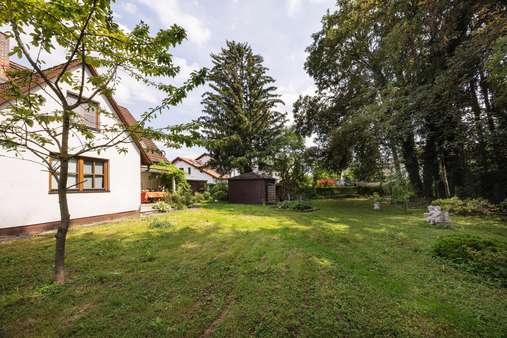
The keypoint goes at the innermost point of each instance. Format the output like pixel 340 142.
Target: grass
pixel 228 270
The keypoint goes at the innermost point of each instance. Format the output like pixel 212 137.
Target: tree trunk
pixel 430 167
pixel 411 163
pixel 61 234
pixel 396 160
pixel 445 181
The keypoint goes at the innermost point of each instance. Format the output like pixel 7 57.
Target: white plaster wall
pixel 195 174
pixel 24 185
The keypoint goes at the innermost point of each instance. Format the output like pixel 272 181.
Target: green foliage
pixel 162 206
pixel 241 125
pixel 485 257
pixel 467 207
pixel 219 192
pixel 158 223
pixel 199 197
pixel 170 171
pixel 336 192
pixel 392 89
pixel 180 200
pixel 297 205
pixel 289 164
pixel 502 207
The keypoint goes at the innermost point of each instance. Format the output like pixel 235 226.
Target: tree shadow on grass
pixel 298 274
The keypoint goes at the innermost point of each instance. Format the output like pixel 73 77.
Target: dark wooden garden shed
pixel 252 188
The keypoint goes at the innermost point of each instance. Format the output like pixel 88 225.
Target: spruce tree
pixel 242 126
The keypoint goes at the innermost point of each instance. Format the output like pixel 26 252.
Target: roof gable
pixel 123 113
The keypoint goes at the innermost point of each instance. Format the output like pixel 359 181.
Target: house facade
pixel 198 173
pixel 102 185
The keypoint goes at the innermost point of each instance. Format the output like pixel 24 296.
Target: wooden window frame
pixel 81 176
pixel 97 113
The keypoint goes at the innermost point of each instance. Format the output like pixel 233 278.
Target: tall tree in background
pixel 87 33
pixel 419 84
pixel 289 163
pixel 242 125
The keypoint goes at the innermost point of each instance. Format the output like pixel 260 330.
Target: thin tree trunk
pixel 412 163
pixel 430 167
pixel 445 182
pixel 396 160
pixel 61 234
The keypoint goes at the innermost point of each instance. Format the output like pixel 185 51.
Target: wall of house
pixel 24 185
pixel 195 173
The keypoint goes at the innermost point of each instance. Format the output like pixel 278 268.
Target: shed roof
pixel 251 176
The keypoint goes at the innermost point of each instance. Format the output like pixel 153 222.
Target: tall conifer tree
pixel 242 126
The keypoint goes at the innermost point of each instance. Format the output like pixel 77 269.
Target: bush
pixel 180 200
pixel 484 257
pixel 162 206
pixel 467 207
pixel 219 192
pixel 159 223
pixel 502 207
pixel 206 195
pixel 335 192
pixel 199 198
pixel 300 205
pixel 369 191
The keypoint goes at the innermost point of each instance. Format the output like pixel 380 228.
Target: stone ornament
pixel 435 215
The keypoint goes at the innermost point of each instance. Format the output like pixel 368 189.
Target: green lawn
pixel 227 270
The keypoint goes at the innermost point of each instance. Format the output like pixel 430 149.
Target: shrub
pixel 180 200
pixel 368 191
pixel 206 195
pixel 159 223
pixel 502 207
pixel 300 205
pixel 467 207
pixel 219 192
pixel 199 198
pixel 335 192
pixel 162 206
pixel 484 257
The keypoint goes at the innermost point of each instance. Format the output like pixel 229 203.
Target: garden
pixel 237 270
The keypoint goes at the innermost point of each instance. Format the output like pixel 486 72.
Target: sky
pixel 279 30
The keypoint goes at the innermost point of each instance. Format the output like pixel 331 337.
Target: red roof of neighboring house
pixel 149 151
pixel 201 166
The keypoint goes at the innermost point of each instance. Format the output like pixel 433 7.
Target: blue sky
pixel 279 30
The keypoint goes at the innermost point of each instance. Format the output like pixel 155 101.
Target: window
pixel 85 175
pixel 86 114
pixel 189 170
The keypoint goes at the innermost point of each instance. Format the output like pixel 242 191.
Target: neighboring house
pixel 198 173
pixel 106 184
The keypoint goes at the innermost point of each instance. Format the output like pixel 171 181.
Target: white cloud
pixel 129 7
pixel 129 90
pixel 169 12
pixel 290 94
pixel 294 7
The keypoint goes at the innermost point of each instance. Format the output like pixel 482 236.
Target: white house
pixel 198 172
pixel 103 185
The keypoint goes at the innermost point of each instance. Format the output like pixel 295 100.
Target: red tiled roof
pixel 149 151
pixel 153 153
pixel 201 166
